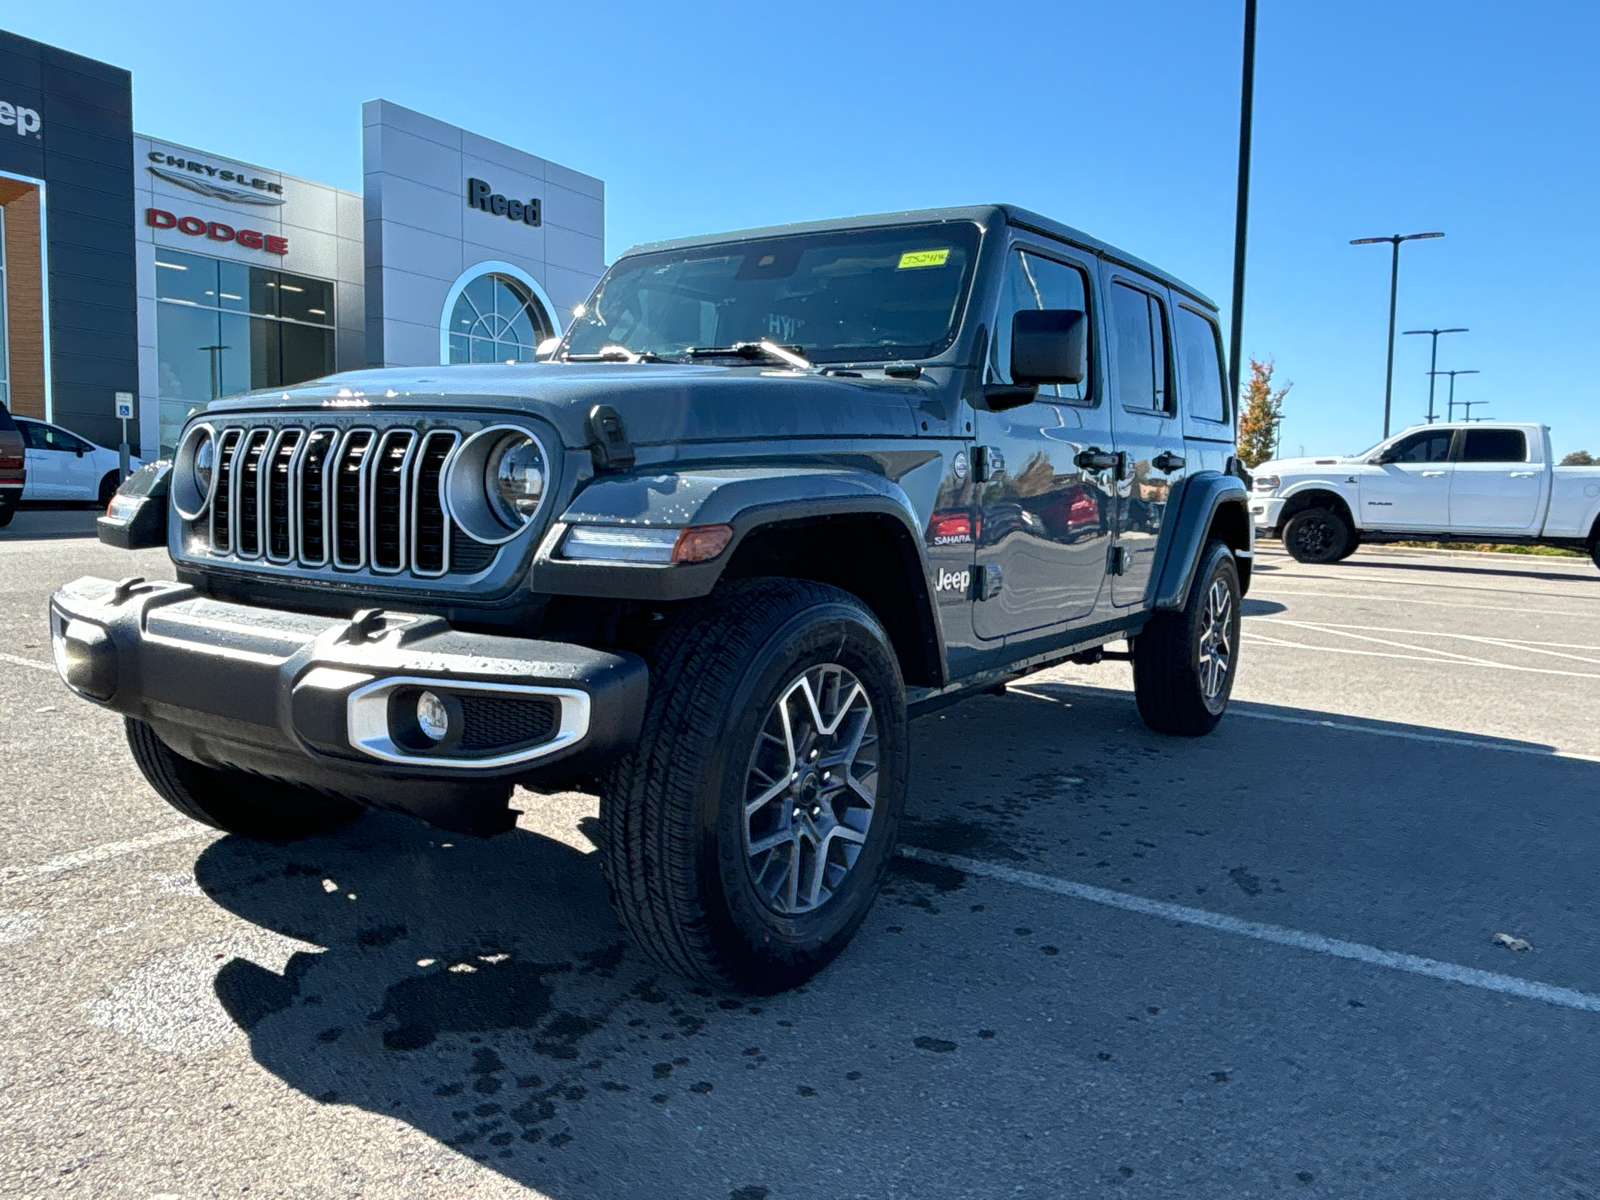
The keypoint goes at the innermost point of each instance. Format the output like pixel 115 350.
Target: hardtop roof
pixel 984 214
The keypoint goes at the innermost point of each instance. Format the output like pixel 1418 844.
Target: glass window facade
pixel 496 320
pixel 224 327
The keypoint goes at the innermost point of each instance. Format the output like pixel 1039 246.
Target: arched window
pixel 496 319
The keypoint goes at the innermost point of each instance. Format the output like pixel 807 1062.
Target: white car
pixel 65 466
pixel 1479 482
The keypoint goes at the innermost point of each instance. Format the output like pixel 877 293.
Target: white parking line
pixel 1271 587
pixel 1453 661
pixel 18 661
pixel 1346 726
pixel 1356 951
pixel 108 850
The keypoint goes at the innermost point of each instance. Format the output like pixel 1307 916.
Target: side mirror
pixel 1049 345
pixel 1387 457
pixel 79 451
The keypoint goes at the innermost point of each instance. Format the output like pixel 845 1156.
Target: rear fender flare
pixel 1204 498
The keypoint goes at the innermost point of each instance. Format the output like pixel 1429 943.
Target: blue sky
pixel 1473 118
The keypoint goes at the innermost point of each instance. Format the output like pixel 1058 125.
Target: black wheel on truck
pixel 1351 547
pixel 1317 535
pixel 234 801
pixel 746 836
pixel 1184 663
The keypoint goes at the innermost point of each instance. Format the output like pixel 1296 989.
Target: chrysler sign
pixel 219 183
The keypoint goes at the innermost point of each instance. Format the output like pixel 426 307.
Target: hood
pixel 660 403
pixel 1301 466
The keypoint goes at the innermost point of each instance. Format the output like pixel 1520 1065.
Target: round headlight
pixel 496 483
pixel 194 471
pixel 205 463
pixel 514 477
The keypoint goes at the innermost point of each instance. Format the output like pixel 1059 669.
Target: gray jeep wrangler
pixel 773 494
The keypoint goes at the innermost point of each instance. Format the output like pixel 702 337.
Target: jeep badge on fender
pixel 774 494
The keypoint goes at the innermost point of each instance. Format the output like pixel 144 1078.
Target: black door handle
pixel 1096 459
pixel 1167 461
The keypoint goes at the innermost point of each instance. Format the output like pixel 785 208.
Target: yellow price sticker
pixel 923 258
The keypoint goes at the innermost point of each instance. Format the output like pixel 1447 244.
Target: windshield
pixel 860 295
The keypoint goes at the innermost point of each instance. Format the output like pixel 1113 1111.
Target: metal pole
pixel 1452 415
pixel 123 450
pixel 1242 202
pixel 1394 292
pixel 1433 366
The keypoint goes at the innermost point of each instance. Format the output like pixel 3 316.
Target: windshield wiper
pixel 614 353
pixel 764 349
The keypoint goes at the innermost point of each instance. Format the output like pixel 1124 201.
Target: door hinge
pixel 990 580
pixel 1119 560
pixel 987 463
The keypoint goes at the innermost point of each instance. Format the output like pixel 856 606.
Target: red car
pixel 13 469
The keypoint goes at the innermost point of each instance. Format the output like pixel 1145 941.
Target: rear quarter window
pixel 1200 366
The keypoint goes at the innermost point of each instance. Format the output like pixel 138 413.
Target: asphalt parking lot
pixel 1263 963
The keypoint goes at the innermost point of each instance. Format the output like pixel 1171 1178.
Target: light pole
pixel 1241 210
pixel 1468 404
pixel 1394 289
pixel 1433 362
pixel 1452 401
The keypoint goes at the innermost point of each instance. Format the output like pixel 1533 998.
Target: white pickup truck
pixel 1479 482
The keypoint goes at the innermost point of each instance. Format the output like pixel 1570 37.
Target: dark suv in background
pixel 777 492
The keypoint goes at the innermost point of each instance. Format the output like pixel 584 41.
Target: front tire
pixel 236 802
pixel 746 836
pixel 108 489
pixel 1184 663
pixel 1318 535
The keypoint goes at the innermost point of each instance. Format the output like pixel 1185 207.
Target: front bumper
pixel 1264 512
pixel 330 703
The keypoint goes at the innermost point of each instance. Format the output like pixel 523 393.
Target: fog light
pixel 85 659
pixel 433 718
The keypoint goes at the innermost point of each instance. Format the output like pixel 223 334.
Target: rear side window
pixel 1033 281
pixel 1139 323
pixel 1427 447
pixel 1495 445
pixel 1200 366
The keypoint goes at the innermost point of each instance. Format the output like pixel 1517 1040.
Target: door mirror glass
pixel 1049 345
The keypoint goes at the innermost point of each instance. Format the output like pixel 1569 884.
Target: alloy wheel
pixel 810 789
pixel 1216 640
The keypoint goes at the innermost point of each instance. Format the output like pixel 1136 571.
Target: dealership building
pixel 130 264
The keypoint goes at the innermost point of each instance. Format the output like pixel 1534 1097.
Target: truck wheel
pixel 1184 662
pixel 1351 547
pixel 745 837
pixel 1316 535
pixel 234 801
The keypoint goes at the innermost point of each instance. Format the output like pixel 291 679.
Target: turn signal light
pixel 701 543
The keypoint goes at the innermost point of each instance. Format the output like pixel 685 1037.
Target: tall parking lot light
pixel 1452 400
pixel 1433 362
pixel 1393 239
pixel 1247 85
pixel 1468 405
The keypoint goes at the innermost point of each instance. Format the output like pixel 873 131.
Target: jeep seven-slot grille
pixel 355 498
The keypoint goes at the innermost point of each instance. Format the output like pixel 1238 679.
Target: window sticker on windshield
pixel 923 258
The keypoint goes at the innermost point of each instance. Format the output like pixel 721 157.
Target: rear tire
pixel 1184 663
pixel 1318 535
pixel 236 802
pixel 755 684
pixel 108 488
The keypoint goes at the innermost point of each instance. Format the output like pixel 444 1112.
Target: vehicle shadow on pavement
pixel 975 1040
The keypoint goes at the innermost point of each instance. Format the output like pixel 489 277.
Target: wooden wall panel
pixel 24 297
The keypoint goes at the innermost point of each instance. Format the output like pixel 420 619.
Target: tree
pixel 1263 412
pixel 1579 458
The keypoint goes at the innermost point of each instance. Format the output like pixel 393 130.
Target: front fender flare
pixel 745 498
pixel 1204 496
